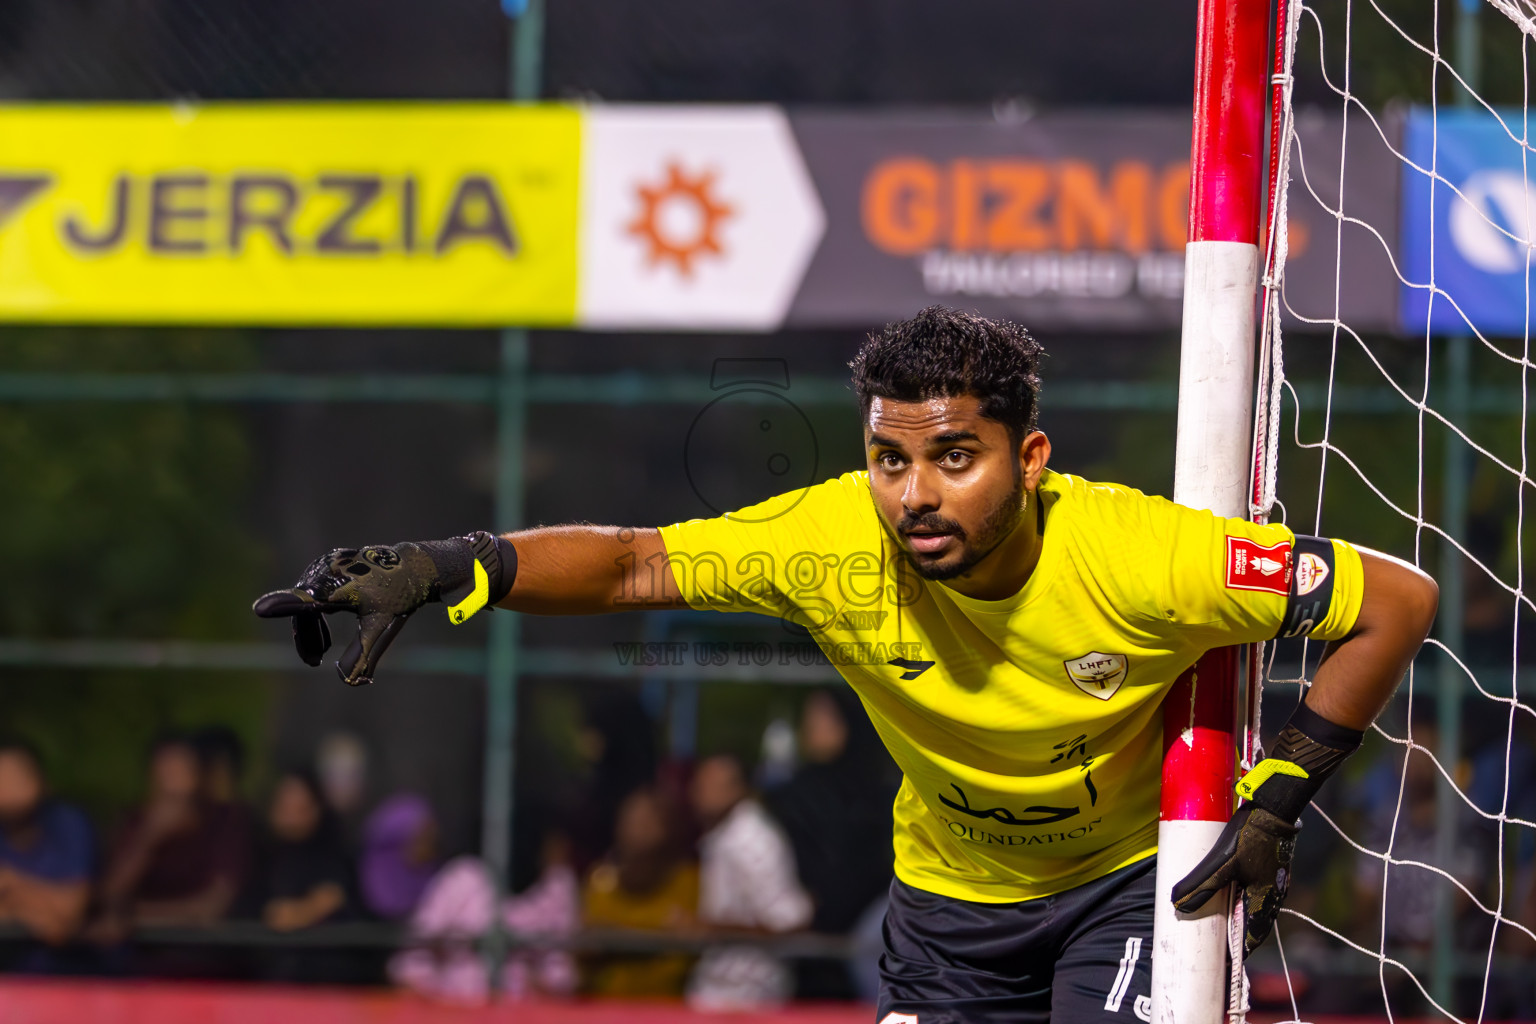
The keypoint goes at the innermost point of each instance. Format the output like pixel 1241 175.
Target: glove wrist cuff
pixel 475 571
pixel 1310 749
pixel 499 558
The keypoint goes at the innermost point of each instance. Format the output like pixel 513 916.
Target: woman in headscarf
pixel 399 855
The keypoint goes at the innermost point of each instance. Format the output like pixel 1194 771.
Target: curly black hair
pixel 944 353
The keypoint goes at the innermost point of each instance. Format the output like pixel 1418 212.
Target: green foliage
pixel 1386 43
pixel 123 520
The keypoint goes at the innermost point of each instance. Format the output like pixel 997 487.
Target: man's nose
pixel 919 495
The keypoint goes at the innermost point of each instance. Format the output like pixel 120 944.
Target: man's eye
pixel 890 460
pixel 955 459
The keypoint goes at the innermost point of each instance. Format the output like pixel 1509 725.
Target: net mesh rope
pixel 1492 937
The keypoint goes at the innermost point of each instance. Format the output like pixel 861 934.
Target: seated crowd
pixel 698 857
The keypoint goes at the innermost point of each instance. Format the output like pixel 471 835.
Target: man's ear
pixel 1034 453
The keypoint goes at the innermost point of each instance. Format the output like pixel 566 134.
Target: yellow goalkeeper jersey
pixel 1027 729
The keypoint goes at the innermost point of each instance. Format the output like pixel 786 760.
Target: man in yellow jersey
pixel 1011 631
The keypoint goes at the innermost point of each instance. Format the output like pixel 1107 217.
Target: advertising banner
pixel 289 213
pixel 1344 219
pixel 1468 228
pixel 640 217
pixel 1067 220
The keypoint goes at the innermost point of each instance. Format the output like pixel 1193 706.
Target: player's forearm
pixel 1359 674
pixel 589 570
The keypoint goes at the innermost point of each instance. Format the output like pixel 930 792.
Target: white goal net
pixel 1404 426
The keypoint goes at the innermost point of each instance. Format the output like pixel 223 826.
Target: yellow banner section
pixel 374 213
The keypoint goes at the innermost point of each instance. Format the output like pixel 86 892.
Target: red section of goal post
pixel 1225 189
pixel 1199 743
pixel 1227 149
pixel 1276 114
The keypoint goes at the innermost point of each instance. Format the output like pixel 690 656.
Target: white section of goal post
pixel 1212 461
pixel 1211 471
pixel 1189 951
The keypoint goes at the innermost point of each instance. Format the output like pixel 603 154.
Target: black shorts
pixel 1084 955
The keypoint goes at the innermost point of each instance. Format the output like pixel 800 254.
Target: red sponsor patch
pixel 1251 566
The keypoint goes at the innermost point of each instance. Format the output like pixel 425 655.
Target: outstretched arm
pixel 563 570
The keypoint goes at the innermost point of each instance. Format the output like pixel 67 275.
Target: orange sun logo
pixel 680 219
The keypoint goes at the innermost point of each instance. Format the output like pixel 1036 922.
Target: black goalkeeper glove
pixel 382 586
pixel 1256 847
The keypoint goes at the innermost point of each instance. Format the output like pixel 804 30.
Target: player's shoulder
pixel 1116 535
pixel 1103 505
pixel 846 495
pixel 1099 502
pixel 843 497
pixel 854 483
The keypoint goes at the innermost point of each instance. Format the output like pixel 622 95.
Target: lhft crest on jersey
pixel 1311 572
pixel 1251 566
pixel 1097 674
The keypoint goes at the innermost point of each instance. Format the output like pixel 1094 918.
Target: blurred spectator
pixel 647 884
pixel 1406 909
pixel 836 811
pixel 222 756
pixel 45 856
pixel 341 766
pixel 776 758
pixel 548 909
pixel 303 876
pixel 457 909
pixel 616 739
pixel 1501 766
pixel 172 863
pixel 747 882
pixel 399 855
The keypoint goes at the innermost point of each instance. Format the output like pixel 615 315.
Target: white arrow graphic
pixel 692 217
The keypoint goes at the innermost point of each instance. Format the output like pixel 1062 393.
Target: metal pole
pixel 1212 470
pixel 1457 370
pixel 499 790
pixel 502 642
pixel 1456 481
pixel 528 53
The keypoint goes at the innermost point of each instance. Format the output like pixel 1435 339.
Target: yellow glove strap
pixel 1261 773
pixel 482 593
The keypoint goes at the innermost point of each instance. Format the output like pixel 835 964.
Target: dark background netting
pixel 805 51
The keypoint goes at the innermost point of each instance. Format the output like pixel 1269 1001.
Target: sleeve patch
pixel 1252 566
pixel 1312 595
pixel 1311 572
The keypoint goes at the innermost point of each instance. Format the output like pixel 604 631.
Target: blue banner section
pixel 1468 231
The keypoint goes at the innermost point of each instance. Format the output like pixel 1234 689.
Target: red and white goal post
pixel 1192 973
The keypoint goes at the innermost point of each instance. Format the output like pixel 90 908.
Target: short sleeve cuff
pixel 1348 591
pixel 682 538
